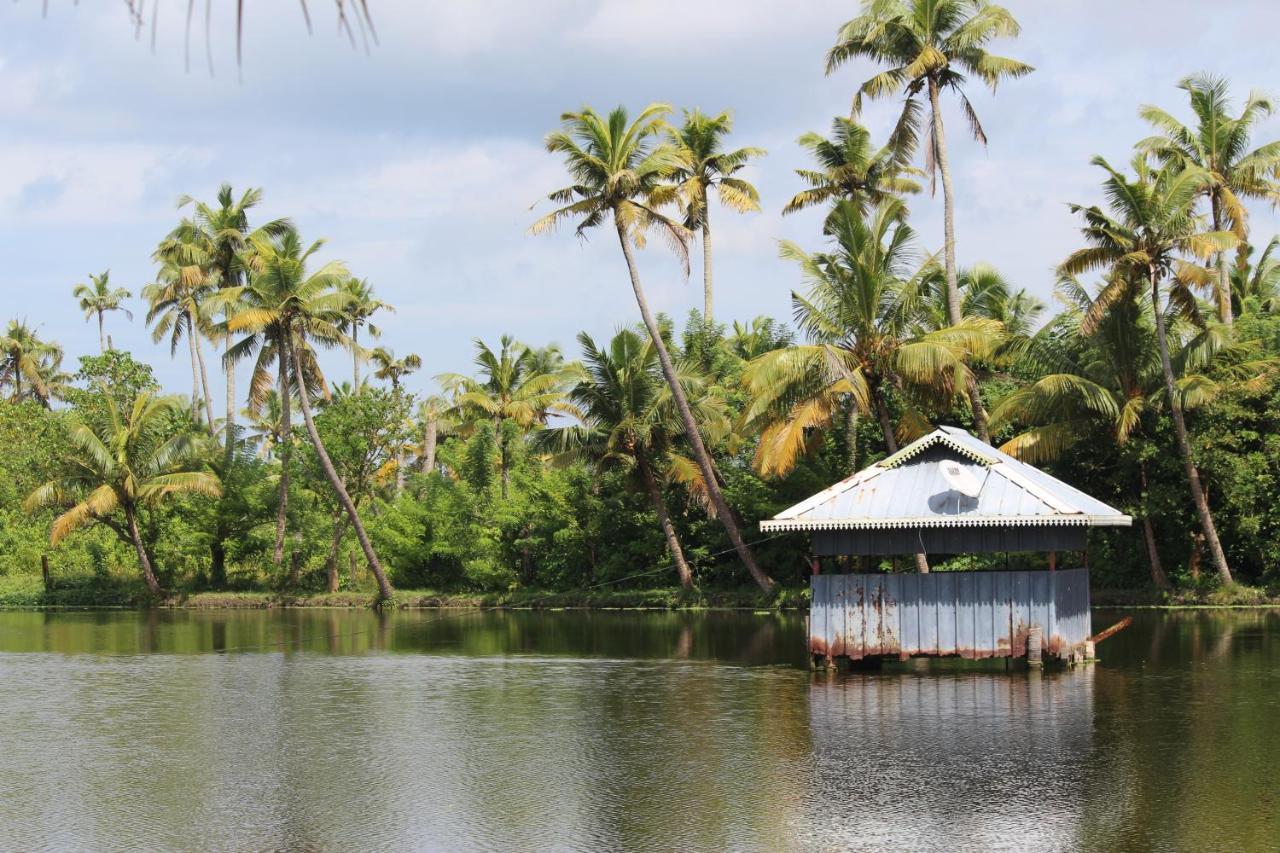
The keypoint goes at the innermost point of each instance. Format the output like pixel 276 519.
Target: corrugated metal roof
pixel 908 490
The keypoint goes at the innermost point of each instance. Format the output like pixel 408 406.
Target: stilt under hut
pixel 948 493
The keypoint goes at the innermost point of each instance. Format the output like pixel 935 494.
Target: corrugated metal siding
pixel 949 540
pixel 971 614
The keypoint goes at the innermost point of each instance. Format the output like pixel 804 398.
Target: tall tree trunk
pixel 664 519
pixel 399 450
pixel 286 446
pixel 144 560
pixel 706 261
pixel 699 449
pixel 1225 310
pixel 195 376
pixel 102 334
pixel 204 374
pixel 1184 443
pixel 385 591
pixel 218 559
pixel 355 357
pixel 1158 576
pixel 851 434
pixel 231 402
pixel 429 444
pixel 335 545
pixel 954 313
pixel 891 444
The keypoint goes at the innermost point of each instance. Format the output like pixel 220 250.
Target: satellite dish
pixel 959 478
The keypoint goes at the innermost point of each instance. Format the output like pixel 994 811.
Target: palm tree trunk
pixel 954 313
pixel 204 374
pixel 102 335
pixel 1225 310
pixel 706 262
pixel 144 561
pixel 700 454
pixel 230 370
pixel 385 591
pixel 891 444
pixel 195 376
pixel 335 545
pixel 851 434
pixel 286 447
pixel 355 358
pixel 1158 576
pixel 1184 444
pixel 429 445
pixel 664 519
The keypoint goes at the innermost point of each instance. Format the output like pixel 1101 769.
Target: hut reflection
pixel 985 760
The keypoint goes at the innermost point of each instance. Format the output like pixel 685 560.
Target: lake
pixel 344 730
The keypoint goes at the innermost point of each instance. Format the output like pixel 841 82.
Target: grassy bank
pixel 28 592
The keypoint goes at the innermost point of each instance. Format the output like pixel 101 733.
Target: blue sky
pixel 420 161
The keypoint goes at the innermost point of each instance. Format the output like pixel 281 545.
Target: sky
pixel 421 161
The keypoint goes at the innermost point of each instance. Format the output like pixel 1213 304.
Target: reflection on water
pixel 448 730
pixel 984 758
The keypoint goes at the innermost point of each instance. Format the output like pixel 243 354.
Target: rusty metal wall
pixel 971 614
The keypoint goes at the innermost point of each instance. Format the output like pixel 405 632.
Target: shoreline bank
pixel 662 598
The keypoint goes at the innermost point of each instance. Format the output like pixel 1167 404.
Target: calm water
pixel 340 730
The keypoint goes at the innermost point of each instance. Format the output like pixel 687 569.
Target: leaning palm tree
pixel 704 164
pixel 393 370
pixel 928 46
pixel 1150 226
pixel 284 308
pixel 1219 144
pixel 215 239
pixel 619 168
pixel 175 306
pixel 29 366
pixel 850 167
pixel 128 463
pixel 629 423
pixel 1108 376
pixel 860 318
pixel 97 298
pixel 361 306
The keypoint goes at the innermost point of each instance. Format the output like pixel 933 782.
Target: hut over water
pixel 948 493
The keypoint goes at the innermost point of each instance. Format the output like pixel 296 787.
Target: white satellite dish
pixel 959 478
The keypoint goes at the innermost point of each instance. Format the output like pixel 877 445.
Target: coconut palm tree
pixel 860 318
pixel 1108 375
pixel 361 306
pixel 1145 237
pixel 699 145
pixel 436 419
pixel 516 383
pixel 264 423
pixel 1255 285
pixel 175 309
pixel 393 370
pixel 282 310
pixel 214 238
pixel 629 422
pixel 850 167
pixel 130 462
pixel 619 170
pixel 1219 144
pixel 29 366
pixel 97 298
pixel 929 46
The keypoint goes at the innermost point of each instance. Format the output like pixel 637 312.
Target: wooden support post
pixel 44 572
pixel 1053 560
pixel 1034 646
pixel 815 564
